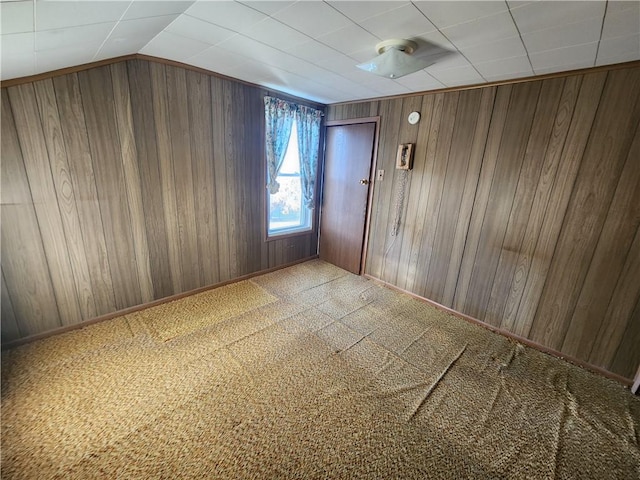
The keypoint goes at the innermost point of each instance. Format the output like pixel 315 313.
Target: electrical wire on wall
pixel 401 188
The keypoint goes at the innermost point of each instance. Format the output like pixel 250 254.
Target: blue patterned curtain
pixel 308 123
pixel 279 117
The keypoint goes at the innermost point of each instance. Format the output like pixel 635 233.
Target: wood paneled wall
pixel 128 183
pixel 522 209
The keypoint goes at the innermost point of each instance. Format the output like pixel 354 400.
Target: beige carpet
pixel 308 372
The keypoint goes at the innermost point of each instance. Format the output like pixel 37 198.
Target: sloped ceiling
pixel 310 48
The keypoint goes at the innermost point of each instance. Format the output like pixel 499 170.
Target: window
pixel 287 212
pixel 292 143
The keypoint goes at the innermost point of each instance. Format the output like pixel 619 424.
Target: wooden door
pixel 347 172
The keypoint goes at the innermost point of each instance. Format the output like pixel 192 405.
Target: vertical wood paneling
pixel 544 187
pixel 570 161
pixel 235 165
pixel 220 175
pixel 10 330
pixel 603 160
pixel 201 126
pixel 74 131
pixel 129 183
pixel 61 175
pixel 24 266
pixel 38 168
pixel 523 198
pixel 407 134
pixel 453 188
pixel 523 210
pixel 167 180
pixel 471 183
pixel 255 186
pixel 627 355
pixel 149 169
pixel 390 121
pixel 494 137
pixel 517 127
pixel 414 216
pixel 183 176
pixel 608 260
pixel 97 97
pixel 620 311
pixel 440 161
pixel 124 120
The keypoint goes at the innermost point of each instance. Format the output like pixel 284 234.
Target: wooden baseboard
pixel 136 308
pixel 550 351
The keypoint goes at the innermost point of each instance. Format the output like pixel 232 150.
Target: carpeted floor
pixel 307 372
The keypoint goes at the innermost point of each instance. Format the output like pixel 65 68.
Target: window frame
pixel 267 237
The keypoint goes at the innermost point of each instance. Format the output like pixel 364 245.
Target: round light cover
pixel 414 117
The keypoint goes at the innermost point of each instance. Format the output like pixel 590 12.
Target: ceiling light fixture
pixel 395 59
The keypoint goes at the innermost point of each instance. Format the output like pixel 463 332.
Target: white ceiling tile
pixel 146 8
pixel 447 14
pixel 50 15
pixel 350 39
pixel 274 33
pixel 519 3
pixel 129 36
pixel 255 72
pixel 564 56
pixel 206 32
pixel 291 83
pixel 434 38
pixel 141 28
pixel 509 76
pixel 312 51
pixel 231 15
pixel 16 17
pixel 420 81
pixel 69 56
pixel 363 55
pixel 312 18
pixel 174 47
pixel 403 22
pixel 455 60
pixel 392 88
pixel 17 66
pixel 359 10
pixel 87 36
pixel 616 6
pixel 564 68
pixel 267 55
pixel 340 63
pixel 268 7
pixel 542 15
pixel 503 48
pixel 611 47
pixel 622 22
pixel 504 66
pixel 251 49
pixel 17 44
pixel 216 59
pixel 578 33
pixel 117 49
pixel 456 76
pixel 619 58
pixel 483 30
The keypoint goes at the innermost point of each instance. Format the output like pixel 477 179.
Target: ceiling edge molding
pixel 532 78
pixel 139 56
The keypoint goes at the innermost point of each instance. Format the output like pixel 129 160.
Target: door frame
pixel 372 178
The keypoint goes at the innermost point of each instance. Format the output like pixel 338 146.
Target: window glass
pixel 287 212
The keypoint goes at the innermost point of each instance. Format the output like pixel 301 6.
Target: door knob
pixel 364 181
